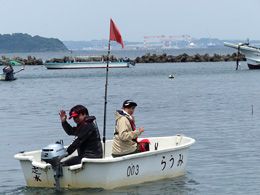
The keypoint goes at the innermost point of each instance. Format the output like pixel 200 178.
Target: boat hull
pixel 83 65
pixel 109 172
pixel 2 78
pixel 252 54
pixel 252 66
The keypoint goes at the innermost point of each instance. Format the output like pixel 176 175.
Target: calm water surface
pixel 211 102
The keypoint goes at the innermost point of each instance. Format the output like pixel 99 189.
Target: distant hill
pixel 19 42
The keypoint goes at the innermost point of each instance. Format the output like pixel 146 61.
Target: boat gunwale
pixel 109 159
pixel 80 63
pixel 242 47
pixel 85 65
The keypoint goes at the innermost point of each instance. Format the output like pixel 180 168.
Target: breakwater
pixel 164 58
pixel 30 60
pixel 147 58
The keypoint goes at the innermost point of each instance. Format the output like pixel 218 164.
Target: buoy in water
pixel 171 76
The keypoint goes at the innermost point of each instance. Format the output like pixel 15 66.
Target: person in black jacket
pixel 87 141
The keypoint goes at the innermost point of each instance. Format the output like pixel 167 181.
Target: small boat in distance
pixel 252 53
pixel 3 78
pixel 9 76
pixel 85 62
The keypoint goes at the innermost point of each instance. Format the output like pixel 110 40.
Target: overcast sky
pixel 89 19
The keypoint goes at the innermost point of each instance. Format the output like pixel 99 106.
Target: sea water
pixel 210 102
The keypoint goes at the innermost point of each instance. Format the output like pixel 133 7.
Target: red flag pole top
pixel 115 34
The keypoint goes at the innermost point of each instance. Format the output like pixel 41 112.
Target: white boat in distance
pixel 167 158
pixel 251 53
pixel 2 77
pixel 81 65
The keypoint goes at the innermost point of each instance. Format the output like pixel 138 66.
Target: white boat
pixel 167 158
pixel 3 78
pixel 81 65
pixel 251 53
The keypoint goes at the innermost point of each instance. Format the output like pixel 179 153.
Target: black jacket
pixel 87 140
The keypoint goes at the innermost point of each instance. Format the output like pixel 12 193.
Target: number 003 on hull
pixel 167 158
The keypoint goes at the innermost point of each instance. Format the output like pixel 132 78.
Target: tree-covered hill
pixel 19 42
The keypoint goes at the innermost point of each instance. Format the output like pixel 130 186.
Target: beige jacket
pixel 123 139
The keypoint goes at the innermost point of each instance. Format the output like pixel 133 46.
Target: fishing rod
pixel 19 70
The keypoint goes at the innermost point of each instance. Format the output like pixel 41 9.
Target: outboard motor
pixel 53 153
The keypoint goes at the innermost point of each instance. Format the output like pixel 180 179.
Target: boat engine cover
pixel 53 151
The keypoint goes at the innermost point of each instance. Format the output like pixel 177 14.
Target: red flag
pixel 115 34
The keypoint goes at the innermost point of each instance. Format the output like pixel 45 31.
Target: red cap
pixel 73 114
